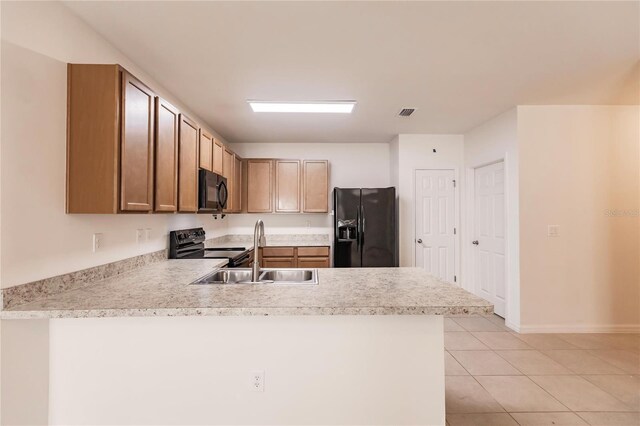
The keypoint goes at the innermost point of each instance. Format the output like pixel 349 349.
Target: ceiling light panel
pixel 323 107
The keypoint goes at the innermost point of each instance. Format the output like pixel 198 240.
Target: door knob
pixel 419 241
pixel 475 243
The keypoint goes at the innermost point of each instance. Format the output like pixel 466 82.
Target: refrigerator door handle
pixel 357 227
pixel 363 224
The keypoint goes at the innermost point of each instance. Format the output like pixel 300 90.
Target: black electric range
pixel 189 244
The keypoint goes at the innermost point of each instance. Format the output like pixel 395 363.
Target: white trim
pixel 578 328
pixel 456 200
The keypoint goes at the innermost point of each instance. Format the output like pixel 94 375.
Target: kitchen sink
pixel 226 276
pixel 266 276
pixel 301 276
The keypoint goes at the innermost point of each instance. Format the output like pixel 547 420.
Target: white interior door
pixel 489 241
pixel 435 222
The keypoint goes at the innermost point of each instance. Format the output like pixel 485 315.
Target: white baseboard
pixel 578 328
pixel 513 326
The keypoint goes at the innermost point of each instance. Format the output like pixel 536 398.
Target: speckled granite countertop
pixel 162 289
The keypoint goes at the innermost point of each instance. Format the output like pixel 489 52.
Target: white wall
pixel 416 152
pixel 38 239
pixel 352 165
pixel 494 140
pixel 329 370
pixel 577 165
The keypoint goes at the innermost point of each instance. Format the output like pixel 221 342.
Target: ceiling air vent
pixel 406 112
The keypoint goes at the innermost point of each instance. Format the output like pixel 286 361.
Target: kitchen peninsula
pixel 362 346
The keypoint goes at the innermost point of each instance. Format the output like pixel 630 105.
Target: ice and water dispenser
pixel 347 229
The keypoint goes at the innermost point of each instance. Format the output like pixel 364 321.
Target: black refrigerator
pixel 365 227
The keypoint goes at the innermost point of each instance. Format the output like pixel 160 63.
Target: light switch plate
pixel 553 230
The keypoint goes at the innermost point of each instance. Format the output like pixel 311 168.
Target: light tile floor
pixel 497 377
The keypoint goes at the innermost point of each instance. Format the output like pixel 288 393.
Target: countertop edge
pixel 288 311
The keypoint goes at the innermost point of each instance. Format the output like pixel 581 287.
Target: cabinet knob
pixel 419 241
pixel 475 243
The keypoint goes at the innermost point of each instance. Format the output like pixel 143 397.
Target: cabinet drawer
pixel 313 262
pixel 277 251
pixel 313 251
pixel 278 262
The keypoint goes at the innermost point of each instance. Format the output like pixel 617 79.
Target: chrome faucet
pixel 258 241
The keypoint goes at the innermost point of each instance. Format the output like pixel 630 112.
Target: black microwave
pixel 212 192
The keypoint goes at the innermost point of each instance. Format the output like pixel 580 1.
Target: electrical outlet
pixel 308 224
pixel 147 234
pixel 553 230
pixel 139 236
pixel 97 242
pixel 257 381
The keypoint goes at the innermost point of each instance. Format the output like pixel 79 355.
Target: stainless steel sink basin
pixel 301 276
pixel 266 276
pixel 226 276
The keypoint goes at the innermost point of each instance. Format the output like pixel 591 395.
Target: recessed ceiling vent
pixel 406 112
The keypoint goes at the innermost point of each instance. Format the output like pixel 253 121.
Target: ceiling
pixel 458 63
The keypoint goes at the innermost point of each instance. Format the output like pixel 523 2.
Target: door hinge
pixel 455 279
pixel 454 183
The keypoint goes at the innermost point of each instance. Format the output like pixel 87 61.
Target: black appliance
pixel 189 244
pixel 212 192
pixel 365 227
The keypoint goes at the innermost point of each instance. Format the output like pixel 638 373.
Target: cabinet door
pixel 287 186
pixel 315 193
pixel 313 262
pixel 206 150
pixel 188 165
pixel 227 171
pixel 166 179
pixel 259 186
pixel 237 184
pixel 137 145
pixel 218 156
pixel 278 262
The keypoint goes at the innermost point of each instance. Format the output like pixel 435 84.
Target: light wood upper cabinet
pixel 188 165
pixel 110 141
pixel 218 156
pixel 206 150
pixel 166 167
pixel 315 192
pixel 228 164
pixel 93 138
pixel 287 186
pixel 259 186
pixel 137 145
pixel 237 183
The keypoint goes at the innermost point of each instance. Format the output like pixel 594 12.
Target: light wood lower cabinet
pixel 295 257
